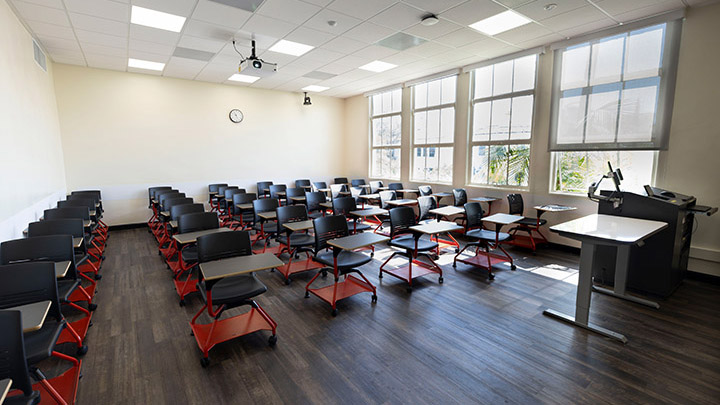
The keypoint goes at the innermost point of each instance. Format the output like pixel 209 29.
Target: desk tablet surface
pixel 165 213
pixel 191 237
pixel 369 196
pixel 357 241
pixel 92 213
pixel 610 227
pixel 173 224
pixel 86 223
pixel 247 206
pixel 4 388
pixel 503 219
pixel 326 204
pixel 267 215
pixel 235 266
pixel 368 212
pixel 404 201
pixel 554 208
pixel 441 195
pixel 33 315
pixel 299 225
pixel 61 268
pixel 484 199
pixel 447 211
pixel 432 228
pixel 298 198
pixel 407 190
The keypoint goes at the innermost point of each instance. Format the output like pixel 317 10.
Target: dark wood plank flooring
pixel 468 340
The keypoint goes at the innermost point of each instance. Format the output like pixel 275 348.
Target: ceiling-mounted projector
pixel 255 66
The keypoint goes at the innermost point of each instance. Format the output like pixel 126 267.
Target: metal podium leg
pixel 621 271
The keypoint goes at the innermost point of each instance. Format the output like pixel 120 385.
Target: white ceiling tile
pixel 402 58
pixel 97 38
pixel 153 35
pixel 337 68
pixel 148 56
pixel 429 49
pixel 271 27
pixel 443 27
pixel 270 82
pixel 201 44
pixel 296 84
pixel 104 50
pixel 494 53
pixel 473 11
pixel 279 58
pixel 182 8
pixel 615 7
pixel 68 60
pixel 482 48
pixel 68 53
pixel 344 45
pixel 353 61
pixel 320 22
pixel 587 28
pixel 183 68
pixel 368 32
pixel 305 63
pixel 106 62
pixel 536 9
pixel 215 74
pixel 309 36
pixel 100 8
pixel 374 52
pixel 434 6
pixel 203 29
pixel 59 43
pixel 362 9
pixel 325 55
pixel 321 3
pixel 398 17
pixel 95 24
pixel 220 14
pixel 517 3
pixel 461 37
pixel 151 47
pixel 47 3
pixel 293 11
pixel 524 33
pixel 643 12
pixel 575 18
pixel 144 71
pixel 35 12
pixel 51 30
pixel 541 41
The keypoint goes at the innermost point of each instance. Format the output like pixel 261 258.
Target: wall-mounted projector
pixel 254 66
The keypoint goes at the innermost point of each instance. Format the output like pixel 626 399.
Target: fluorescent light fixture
pixel 290 47
pixel 315 88
pixel 378 66
pixel 156 19
pixel 145 64
pixel 237 77
pixel 502 22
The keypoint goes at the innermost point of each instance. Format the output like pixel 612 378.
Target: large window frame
pixel 512 149
pixel 386 150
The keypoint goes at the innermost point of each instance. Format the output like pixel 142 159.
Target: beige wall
pixel 690 166
pixel 31 160
pixel 150 130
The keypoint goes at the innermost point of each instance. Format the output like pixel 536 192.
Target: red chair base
pixel 293 267
pixel 186 286
pixel 527 241
pixel 80 326
pixel 486 260
pixel 409 272
pixel 209 335
pixel 61 389
pixel 341 289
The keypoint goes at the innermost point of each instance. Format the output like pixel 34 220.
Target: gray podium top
pixel 609 228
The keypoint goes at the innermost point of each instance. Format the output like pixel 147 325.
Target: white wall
pixel 31 160
pixel 147 131
pixel 690 166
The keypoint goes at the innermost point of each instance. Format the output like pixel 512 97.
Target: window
pixel 502 113
pixel 385 128
pixel 574 172
pixel 434 130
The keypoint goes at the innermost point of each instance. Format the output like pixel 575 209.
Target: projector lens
pixel 257 64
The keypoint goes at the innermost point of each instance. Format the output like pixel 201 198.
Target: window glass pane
pixel 386 130
pixel 602 116
pixel 447 125
pixel 518 165
pixel 377 163
pixel 575 171
pixel 431 164
pixel 479 169
pixel 377 104
pixel 607 58
pixel 396 133
pixel 446 164
pixel 420 91
pixel 637 113
pixel 396 100
pixel 644 52
pixel 500 124
pixel 521 125
pixel 524 73
pixel 502 79
pixel 420 127
pixel 571 119
pixel 377 132
pixel 481 122
pixel 434 92
pixel 483 82
pixel 392 156
pixel 575 67
pixel 497 171
pixel 448 89
pixel 386 102
pixel 419 164
pixel 433 126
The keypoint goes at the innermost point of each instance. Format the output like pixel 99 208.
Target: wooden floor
pixel 468 340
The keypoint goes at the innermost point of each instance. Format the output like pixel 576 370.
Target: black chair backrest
pixel 460 196
pixel 54 248
pixel 169 204
pixel 26 283
pixel 314 199
pixel 221 190
pixel 13 364
pixel 232 190
pixel 198 221
pixel 264 205
pixel 275 189
pixel 515 204
pixel 85 195
pixel 401 219
pixel 213 188
pixel 336 189
pixel 425 204
pixel 319 185
pixel 343 206
pixel 474 214
pixel 262 186
pixel 290 213
pixel 340 180
pixel 153 190
pixel 386 196
pixel 327 228
pixel 169 196
pixel 83 202
pixel 223 245
pixel 67 212
pixel 244 198
pixel 375 186
pixel 177 210
pixel 302 183
pixel 160 193
pixel 357 182
pixel 294 192
pixel 425 190
pixel 66 226
pixel 395 186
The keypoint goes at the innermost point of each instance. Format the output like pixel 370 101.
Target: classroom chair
pixel 263 188
pixel 529 225
pixel 385 196
pixel 90 204
pixel 242 218
pixel 357 182
pixel 294 243
pixel 187 254
pixel 313 201
pixel 276 190
pixel 425 190
pixel 294 192
pixel 151 196
pixel 265 229
pixel 425 204
pixel 343 206
pixel 96 196
pixel 212 194
pixel 339 190
pixel 459 200
pixel 166 246
pixel 341 180
pixel 13 364
pixel 319 185
pixel 95 239
pixel 375 186
pixel 303 184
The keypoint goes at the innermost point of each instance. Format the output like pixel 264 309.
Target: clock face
pixel 236 115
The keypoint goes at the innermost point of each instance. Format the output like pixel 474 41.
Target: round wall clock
pixel 236 115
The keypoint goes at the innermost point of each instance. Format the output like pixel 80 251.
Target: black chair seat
pixel 408 242
pixel 298 240
pixel 40 343
pixel 315 215
pixel 484 234
pixel 190 254
pixel 66 288
pixel 32 399
pixel 346 260
pixel 527 221
pixel 358 226
pixel 268 227
pixel 233 290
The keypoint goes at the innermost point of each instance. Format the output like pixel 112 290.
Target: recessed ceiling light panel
pixel 378 66
pixel 502 22
pixel 145 64
pixel 237 77
pixel 290 47
pixel 156 19
pixel 315 88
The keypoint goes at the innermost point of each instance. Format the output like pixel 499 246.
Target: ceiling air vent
pixel 247 5
pixel 39 56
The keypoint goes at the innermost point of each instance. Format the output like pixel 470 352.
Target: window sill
pixel 491 187
pixel 439 183
pixel 568 194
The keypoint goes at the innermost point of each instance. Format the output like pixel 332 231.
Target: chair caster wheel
pixel 457 250
pixel 92 307
pixel 182 302
pixel 491 276
pixel 380 275
pixel 82 350
pixel 80 376
pixel 98 276
pixel 307 294
pixel 103 257
pixel 372 254
pixel 454 265
pixel 204 362
pixel 287 281
pixel 440 280
pixel 373 299
pixel 334 312
pixel 90 324
pixel 272 341
pixel 513 267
